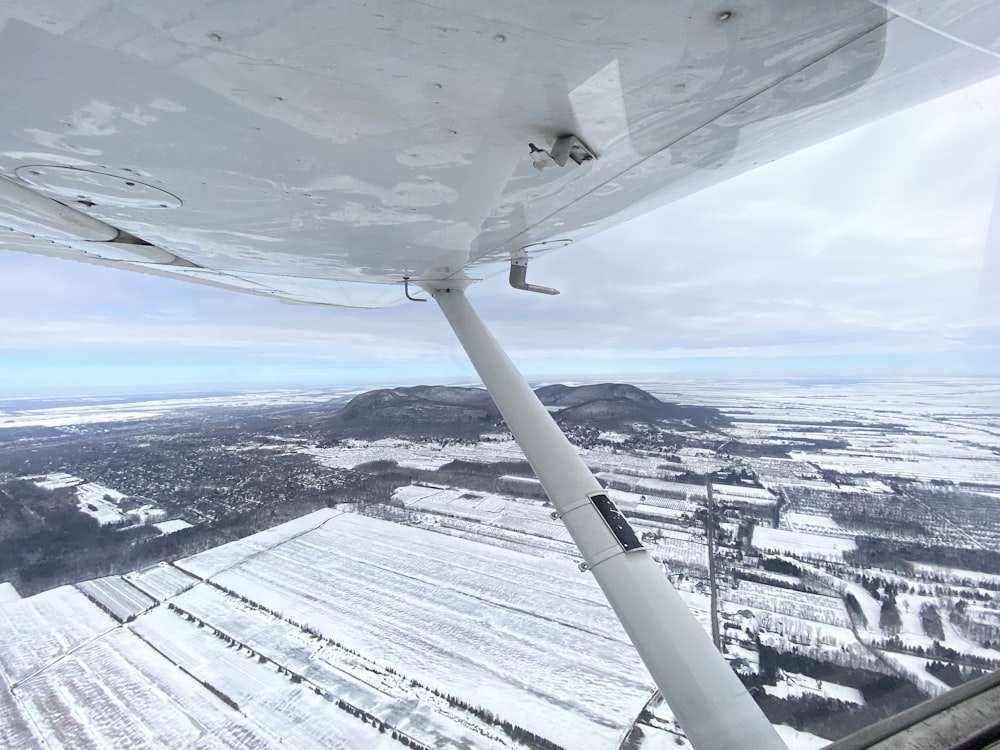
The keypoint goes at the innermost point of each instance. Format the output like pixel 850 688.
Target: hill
pixel 453 412
pixel 618 405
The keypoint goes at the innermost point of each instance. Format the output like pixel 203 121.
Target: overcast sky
pixel 865 255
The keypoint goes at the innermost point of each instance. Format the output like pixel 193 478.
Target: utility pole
pixel 713 592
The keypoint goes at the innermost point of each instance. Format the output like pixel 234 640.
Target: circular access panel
pixel 89 188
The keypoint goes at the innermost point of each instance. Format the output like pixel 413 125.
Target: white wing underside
pixel 322 154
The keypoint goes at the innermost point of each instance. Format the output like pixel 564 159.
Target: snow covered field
pixel 529 639
pixel 169 527
pixel 524 516
pixel 814 523
pixel 802 543
pixel 307 627
pixel 116 597
pixel 983 469
pixel 791 684
pixel 429 455
pixel 827 610
pixel 161 581
pixel 96 411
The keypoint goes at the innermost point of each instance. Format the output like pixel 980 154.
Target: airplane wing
pixel 321 153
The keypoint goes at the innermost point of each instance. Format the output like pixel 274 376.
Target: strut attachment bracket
pixel 566 148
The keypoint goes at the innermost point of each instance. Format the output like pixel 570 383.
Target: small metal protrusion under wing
pixel 519 274
pixel 566 148
pixel 406 291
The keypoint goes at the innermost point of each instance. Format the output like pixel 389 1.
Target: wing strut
pixel 709 701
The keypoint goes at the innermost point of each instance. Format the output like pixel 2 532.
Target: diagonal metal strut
pixel 706 696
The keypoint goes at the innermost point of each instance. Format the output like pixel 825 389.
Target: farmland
pixel 424 594
pixel 457 640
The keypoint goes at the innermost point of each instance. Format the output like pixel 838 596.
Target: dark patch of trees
pixel 79 549
pixel 884 695
pixel 26 508
pixel 748 575
pixel 778 565
pixel 889 619
pixel 952 674
pixel 854 609
pixel 876 520
pixel 930 620
pixel 476 476
pixel 898 554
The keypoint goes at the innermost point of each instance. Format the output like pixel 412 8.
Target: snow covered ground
pixel 814 524
pixel 795 685
pixel 530 639
pixel 116 597
pixel 798 740
pixel 984 469
pixel 334 630
pixel 8 593
pixel 525 516
pixel 162 581
pixel 86 411
pixel 802 543
pixel 428 455
pixel 174 525
pixel 104 503
pixel 55 481
pixel 816 608
pixel 100 502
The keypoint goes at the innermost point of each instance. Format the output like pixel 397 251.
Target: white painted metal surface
pixel 321 151
pixel 705 695
pixel 24 210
